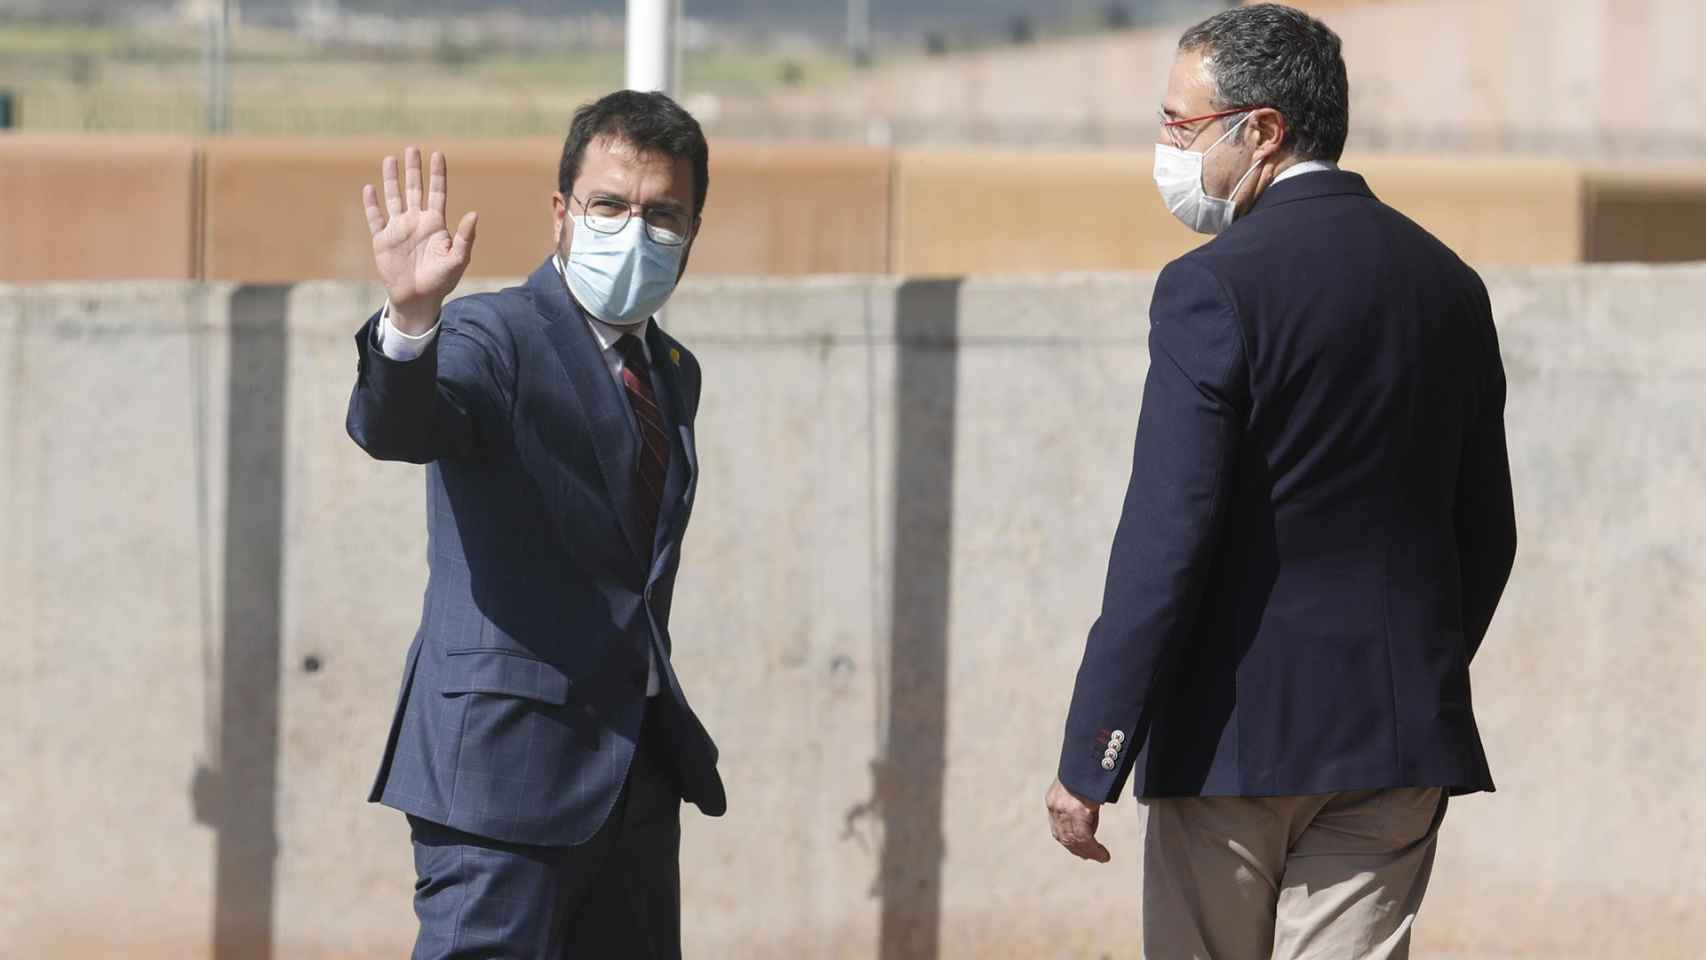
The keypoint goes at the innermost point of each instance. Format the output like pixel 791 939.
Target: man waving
pixel 542 743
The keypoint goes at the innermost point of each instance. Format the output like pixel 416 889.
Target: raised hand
pixel 419 260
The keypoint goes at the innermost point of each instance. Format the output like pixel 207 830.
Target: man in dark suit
pixel 1317 530
pixel 542 743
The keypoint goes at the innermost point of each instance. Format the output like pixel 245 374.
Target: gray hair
pixel 1268 55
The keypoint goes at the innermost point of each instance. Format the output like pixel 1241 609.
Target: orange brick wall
pixel 279 211
pixel 78 207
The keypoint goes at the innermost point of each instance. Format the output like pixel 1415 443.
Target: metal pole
pixel 859 31
pixel 218 94
pixel 651 44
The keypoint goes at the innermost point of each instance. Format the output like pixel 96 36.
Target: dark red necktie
pixel 653 464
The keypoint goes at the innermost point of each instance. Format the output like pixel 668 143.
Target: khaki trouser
pixel 1332 877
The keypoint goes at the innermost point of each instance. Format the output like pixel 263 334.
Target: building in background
pixel 1601 79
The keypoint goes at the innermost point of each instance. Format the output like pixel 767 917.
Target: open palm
pixel 419 260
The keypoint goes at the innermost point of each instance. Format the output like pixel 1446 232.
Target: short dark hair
pixel 651 122
pixel 1268 55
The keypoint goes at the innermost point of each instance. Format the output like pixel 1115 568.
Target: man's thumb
pixel 465 232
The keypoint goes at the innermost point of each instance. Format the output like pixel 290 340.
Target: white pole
pixel 651 44
pixel 218 98
pixel 859 31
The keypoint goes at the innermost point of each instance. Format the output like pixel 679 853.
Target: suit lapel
pixel 608 417
pixel 684 464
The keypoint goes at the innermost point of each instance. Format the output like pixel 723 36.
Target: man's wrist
pixel 416 321
pixel 397 344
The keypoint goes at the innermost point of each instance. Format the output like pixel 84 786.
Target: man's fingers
pixel 1081 840
pixel 393 195
pixel 375 215
pixel 436 184
pixel 412 177
pixel 1074 825
pixel 463 242
pixel 1089 849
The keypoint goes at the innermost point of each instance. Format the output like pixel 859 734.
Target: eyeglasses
pixel 1173 131
pixel 608 215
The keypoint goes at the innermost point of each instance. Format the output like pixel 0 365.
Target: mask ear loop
pixel 1240 184
pixel 1203 164
pixel 1253 167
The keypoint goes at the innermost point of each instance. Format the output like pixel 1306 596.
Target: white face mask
pixel 621 278
pixel 1178 174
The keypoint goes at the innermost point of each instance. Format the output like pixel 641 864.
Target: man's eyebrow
pixel 662 206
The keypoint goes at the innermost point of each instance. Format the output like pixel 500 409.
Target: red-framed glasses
pixel 1174 132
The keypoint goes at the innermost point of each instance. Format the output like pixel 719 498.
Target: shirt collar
pixel 607 334
pixel 1307 166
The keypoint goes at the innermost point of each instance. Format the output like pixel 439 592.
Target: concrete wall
pixel 908 496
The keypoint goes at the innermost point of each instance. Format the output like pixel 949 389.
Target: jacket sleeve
pixel 1195 401
pixel 1485 515
pixel 446 403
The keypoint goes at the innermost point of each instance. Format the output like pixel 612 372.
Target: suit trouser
pixel 1333 877
pixel 617 895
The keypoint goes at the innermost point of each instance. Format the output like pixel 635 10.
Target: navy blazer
pixel 525 685
pixel 1319 520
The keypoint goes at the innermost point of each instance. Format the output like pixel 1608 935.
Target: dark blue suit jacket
pixel 525 686
pixel 1319 521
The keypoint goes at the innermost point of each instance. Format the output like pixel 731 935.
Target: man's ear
pixel 559 218
pixel 1270 128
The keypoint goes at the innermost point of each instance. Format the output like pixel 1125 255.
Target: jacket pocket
pixel 505 673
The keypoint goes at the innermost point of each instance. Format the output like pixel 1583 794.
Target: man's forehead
pixel 614 165
pixel 1189 91
pixel 609 149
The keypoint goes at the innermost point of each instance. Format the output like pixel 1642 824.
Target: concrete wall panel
pixel 111 587
pixel 1588 688
pixel 79 207
pixel 908 493
pixel 350 608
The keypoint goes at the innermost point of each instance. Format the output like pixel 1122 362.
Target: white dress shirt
pixel 1307 166
pixel 403 347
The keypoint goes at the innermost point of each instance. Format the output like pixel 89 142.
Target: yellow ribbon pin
pixel 675 356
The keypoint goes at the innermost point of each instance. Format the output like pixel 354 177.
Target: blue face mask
pixel 621 278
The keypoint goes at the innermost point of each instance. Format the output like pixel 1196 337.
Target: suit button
pixel 1107 763
pixel 1117 737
